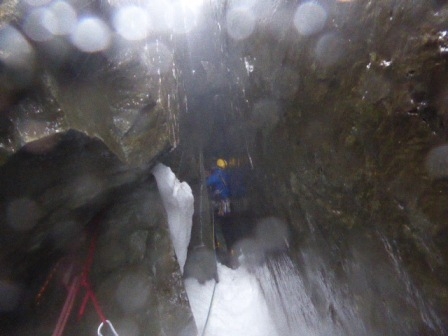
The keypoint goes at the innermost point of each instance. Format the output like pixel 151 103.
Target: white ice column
pixel 178 201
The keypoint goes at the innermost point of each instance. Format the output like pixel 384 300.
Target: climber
pixel 219 183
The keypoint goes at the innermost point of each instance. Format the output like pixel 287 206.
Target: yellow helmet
pixel 221 163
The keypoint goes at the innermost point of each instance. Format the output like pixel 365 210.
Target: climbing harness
pixel 82 281
pixel 224 204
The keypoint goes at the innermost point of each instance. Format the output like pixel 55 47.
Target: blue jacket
pixel 220 182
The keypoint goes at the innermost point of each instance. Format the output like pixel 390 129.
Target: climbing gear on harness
pixel 110 326
pixel 224 207
pixel 82 280
pixel 224 204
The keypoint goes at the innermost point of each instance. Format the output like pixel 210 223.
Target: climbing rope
pixel 82 280
pixel 214 286
pixel 201 208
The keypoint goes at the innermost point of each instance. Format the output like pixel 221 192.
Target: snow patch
pixel 238 306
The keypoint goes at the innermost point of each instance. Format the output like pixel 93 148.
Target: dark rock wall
pixel 345 127
pixel 51 203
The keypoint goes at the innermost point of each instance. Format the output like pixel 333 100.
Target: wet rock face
pixel 354 139
pixel 53 81
pixel 341 106
pixel 53 200
pixel 138 277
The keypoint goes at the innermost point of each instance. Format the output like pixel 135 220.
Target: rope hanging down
pixel 201 221
pixel 214 286
pixel 83 281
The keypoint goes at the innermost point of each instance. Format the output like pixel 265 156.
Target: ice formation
pixel 178 201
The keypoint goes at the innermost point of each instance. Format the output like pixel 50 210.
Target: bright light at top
pixel 242 3
pixel 37 3
pixel 132 22
pixel 194 5
pixel 157 11
pixel 181 18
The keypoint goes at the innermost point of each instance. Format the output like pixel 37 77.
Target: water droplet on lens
pixel 240 23
pixel 39 25
pixel 91 35
pixel 132 23
pixel 437 162
pixel 310 18
pixel 66 18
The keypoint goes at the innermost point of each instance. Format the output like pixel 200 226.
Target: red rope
pixel 85 282
pixel 68 307
pixel 81 281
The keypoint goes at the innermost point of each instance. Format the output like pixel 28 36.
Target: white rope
pixel 214 287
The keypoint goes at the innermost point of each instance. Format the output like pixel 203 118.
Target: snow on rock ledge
pixel 178 201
